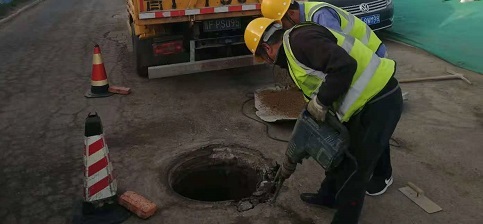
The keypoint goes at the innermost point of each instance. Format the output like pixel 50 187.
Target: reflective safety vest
pixel 371 75
pixel 349 24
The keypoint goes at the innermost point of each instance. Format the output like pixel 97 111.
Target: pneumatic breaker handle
pixel 333 121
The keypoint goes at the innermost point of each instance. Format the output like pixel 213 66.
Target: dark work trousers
pixel 383 167
pixel 370 131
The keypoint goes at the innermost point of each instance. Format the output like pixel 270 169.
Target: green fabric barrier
pixel 450 30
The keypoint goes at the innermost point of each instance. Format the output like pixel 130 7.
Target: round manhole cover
pixel 218 173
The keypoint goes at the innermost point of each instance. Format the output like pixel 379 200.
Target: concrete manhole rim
pixel 251 156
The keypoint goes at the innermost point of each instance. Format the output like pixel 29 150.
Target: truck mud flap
pixel 200 66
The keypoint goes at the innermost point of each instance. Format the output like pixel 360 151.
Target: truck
pixel 175 37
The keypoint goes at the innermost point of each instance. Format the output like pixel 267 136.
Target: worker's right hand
pixel 288 168
pixel 317 110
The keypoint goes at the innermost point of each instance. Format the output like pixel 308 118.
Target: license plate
pixel 221 24
pixel 371 20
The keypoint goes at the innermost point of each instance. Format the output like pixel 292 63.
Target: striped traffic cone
pixel 99 182
pixel 100 200
pixel 99 82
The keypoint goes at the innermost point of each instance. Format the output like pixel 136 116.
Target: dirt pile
pixel 289 102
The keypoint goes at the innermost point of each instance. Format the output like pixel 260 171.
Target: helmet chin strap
pixel 290 19
pixel 268 57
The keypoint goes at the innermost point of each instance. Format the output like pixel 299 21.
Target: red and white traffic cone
pixel 100 187
pixel 99 82
pixel 99 181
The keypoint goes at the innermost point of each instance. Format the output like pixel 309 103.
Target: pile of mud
pixel 279 104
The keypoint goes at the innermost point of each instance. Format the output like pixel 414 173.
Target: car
pixel 378 14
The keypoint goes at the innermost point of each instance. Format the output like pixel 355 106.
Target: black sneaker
pixel 315 199
pixel 378 185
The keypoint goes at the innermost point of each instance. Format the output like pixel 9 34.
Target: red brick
pixel 120 90
pixel 137 204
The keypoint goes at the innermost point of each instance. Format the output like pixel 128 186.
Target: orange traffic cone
pixel 99 83
pixel 100 200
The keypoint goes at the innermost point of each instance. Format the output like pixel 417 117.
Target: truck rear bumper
pixel 200 66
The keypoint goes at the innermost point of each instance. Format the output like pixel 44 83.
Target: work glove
pixel 317 110
pixel 287 168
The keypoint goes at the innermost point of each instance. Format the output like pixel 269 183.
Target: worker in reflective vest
pixel 291 13
pixel 338 71
pixel 336 19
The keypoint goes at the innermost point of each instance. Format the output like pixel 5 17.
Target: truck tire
pixel 141 52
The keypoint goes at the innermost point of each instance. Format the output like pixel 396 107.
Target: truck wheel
pixel 141 52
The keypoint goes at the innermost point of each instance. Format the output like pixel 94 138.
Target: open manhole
pixel 218 173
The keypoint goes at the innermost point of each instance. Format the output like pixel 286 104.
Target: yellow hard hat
pixel 254 33
pixel 275 9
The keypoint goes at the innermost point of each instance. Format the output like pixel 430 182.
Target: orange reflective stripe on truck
pixel 200 11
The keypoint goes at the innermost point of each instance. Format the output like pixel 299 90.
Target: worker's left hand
pixel 317 110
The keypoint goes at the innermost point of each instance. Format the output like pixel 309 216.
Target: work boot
pixel 318 200
pixel 378 185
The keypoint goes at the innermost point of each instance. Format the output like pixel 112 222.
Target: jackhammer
pixel 326 142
